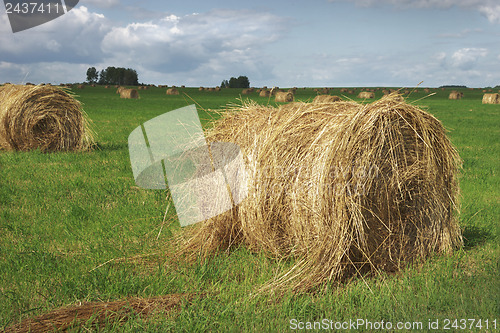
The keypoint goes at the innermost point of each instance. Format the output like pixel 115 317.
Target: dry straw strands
pixel 343 188
pixel 491 99
pixel 129 94
pixel 326 99
pixel 456 95
pixel 43 117
pixel 366 94
pixel 172 91
pixel 283 97
pixel 100 313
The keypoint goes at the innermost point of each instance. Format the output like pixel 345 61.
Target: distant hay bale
pixel 42 117
pixel 129 94
pixel 326 99
pixel 172 91
pixel 342 188
pixel 491 99
pixel 119 90
pixel 366 94
pixel 455 95
pixel 81 86
pixel 264 93
pixel 217 89
pixel 246 91
pixel 283 97
pixel 201 89
pixel 106 87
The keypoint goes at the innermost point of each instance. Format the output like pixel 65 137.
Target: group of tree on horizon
pixel 113 75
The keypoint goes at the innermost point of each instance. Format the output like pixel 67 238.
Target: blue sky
pixel 275 43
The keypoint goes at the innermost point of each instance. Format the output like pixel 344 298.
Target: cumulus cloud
pixel 74 38
pixel 466 58
pixel 489 8
pixel 217 40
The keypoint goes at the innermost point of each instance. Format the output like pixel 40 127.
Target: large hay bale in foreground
pixel 326 99
pixel 43 117
pixel 491 99
pixel 172 91
pixel 129 94
pixel 283 97
pixel 343 188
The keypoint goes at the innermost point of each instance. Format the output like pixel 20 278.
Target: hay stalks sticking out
pixel 100 313
pixel 343 188
pixel 44 117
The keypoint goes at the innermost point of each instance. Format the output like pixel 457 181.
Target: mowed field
pixel 75 228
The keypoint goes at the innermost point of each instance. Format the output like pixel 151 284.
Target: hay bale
pixel 129 94
pixel 491 99
pixel 42 117
pixel 456 95
pixel 81 86
pixel 366 94
pixel 247 91
pixel 343 188
pixel 172 91
pixel 119 90
pixel 264 93
pixel 201 89
pixel 283 97
pixel 326 99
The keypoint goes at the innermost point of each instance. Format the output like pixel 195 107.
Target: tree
pixel 240 82
pixel 92 75
pixel 119 75
pixel 224 84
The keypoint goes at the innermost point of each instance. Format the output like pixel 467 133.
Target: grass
pixel 75 228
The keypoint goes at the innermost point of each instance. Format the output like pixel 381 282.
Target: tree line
pixel 113 75
pixel 240 82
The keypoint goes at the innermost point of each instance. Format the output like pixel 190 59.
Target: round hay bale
pixel 42 117
pixel 247 91
pixel 283 97
pixel 172 91
pixel 264 93
pixel 455 95
pixel 129 94
pixel 366 95
pixel 343 188
pixel 119 90
pixel 81 86
pixel 326 99
pixel 201 89
pixel 491 99
pixel 217 89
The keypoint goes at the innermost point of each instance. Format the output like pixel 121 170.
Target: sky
pixel 315 43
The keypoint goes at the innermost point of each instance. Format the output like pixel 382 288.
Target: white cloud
pixel 216 40
pixel 74 37
pixel 467 58
pixel 488 8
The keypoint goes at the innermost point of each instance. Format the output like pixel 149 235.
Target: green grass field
pixel 75 228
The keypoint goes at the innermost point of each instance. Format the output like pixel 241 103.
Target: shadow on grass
pixel 110 146
pixel 474 236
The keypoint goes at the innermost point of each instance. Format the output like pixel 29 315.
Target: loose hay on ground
pixel 342 188
pixel 44 117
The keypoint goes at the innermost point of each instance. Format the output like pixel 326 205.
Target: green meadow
pixel 75 228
